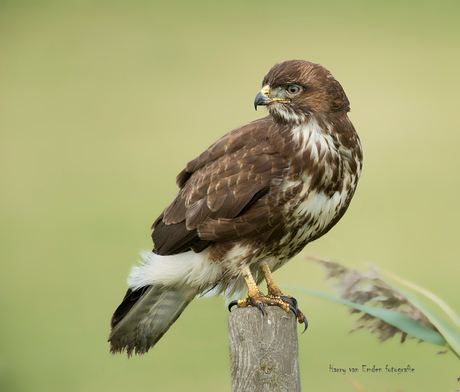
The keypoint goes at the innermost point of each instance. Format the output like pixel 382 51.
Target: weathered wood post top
pixel 264 353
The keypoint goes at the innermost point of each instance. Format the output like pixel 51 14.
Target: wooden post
pixel 264 354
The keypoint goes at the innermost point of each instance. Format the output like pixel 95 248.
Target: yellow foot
pixel 261 301
pixel 274 298
pixel 300 316
pixel 286 303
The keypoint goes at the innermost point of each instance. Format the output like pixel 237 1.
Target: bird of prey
pixel 247 205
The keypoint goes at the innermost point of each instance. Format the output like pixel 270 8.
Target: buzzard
pixel 247 205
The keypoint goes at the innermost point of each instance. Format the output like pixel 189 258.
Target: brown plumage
pixel 253 199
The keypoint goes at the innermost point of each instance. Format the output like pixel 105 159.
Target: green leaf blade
pixel 450 334
pixel 398 320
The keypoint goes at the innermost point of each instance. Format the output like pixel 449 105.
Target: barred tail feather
pixel 138 326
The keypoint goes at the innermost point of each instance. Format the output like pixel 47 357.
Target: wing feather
pixel 218 190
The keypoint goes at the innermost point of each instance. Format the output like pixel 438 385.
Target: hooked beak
pixel 263 98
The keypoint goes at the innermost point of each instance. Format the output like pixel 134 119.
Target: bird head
pixel 295 90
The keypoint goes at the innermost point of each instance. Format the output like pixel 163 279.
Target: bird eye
pixel 293 89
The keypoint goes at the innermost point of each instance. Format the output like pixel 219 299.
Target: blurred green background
pixel 104 102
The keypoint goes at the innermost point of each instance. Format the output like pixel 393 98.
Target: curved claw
pixel 261 307
pixel 292 302
pixel 305 321
pixel 293 310
pixel 232 304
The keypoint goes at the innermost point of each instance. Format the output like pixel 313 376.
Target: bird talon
pixel 302 320
pixel 291 301
pixel 232 304
pixel 306 325
pixel 261 307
